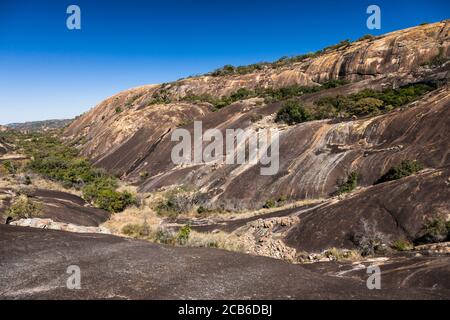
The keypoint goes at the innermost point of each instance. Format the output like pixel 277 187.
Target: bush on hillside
pixel 436 230
pixel 293 112
pixel 350 184
pixel 24 208
pixel 404 169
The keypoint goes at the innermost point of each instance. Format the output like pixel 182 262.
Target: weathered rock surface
pixel 33 265
pixel 58 206
pixel 401 271
pixel 314 156
pixel 52 225
pixel 396 210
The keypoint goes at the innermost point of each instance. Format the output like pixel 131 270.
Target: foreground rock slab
pixel 33 265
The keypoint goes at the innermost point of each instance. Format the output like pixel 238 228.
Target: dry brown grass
pixel 220 240
pixel 132 215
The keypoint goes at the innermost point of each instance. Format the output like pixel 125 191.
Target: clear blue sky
pixel 48 71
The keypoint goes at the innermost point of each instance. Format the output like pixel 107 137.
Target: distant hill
pixel 40 125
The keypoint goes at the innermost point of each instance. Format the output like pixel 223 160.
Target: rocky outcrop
pixel 59 207
pixel 130 136
pixel 52 225
pixel 314 156
pixel 385 213
pixel 119 136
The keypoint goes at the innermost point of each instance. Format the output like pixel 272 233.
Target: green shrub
pixel 293 112
pixel 201 210
pixel 402 245
pixel 366 37
pixel 24 208
pixel 118 110
pixel 368 106
pixel 143 174
pixel 436 230
pixel 369 102
pixel 183 234
pixel 341 44
pixel 57 161
pixel 269 94
pixel 270 204
pixel 364 103
pixel 350 184
pixel 404 169
pixel 106 198
pixel 9 167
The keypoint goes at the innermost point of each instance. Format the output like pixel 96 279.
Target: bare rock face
pixel 385 213
pixel 150 271
pixel 129 135
pixel 52 225
pixel 123 129
pixel 60 208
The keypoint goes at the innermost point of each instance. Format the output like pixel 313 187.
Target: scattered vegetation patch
pixel 24 207
pixel 218 103
pixel 402 245
pixel 281 94
pixel 370 102
pixel 268 94
pixel 9 167
pixel 177 201
pixel 365 103
pixel 229 70
pixel 293 112
pixel 59 162
pixel 436 230
pixel 143 175
pixel 404 169
pixel 366 37
pixel 130 101
pixel 271 203
pixel 183 234
pixel 335 254
pixel 341 45
pixel 350 184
